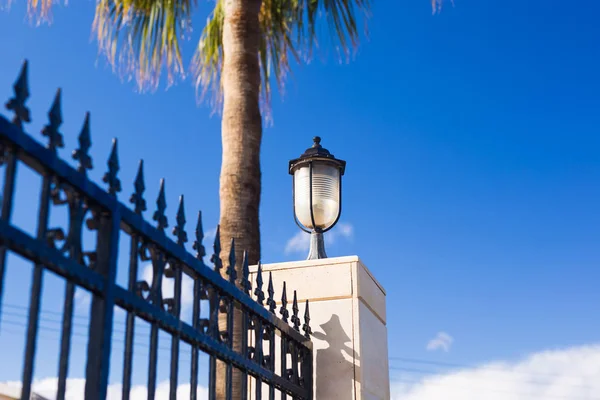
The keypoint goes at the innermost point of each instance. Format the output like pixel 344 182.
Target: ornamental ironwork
pixel 272 352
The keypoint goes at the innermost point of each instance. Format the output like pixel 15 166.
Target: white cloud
pixel 566 374
pixel 300 242
pixel 343 230
pixel 82 299
pixel 168 287
pixel 76 388
pixel 209 236
pixel 442 341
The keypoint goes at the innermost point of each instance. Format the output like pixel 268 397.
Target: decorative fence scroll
pixel 92 209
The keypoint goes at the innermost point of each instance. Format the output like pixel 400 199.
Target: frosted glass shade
pixel 325 195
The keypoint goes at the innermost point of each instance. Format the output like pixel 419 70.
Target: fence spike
pixel 216 257
pixel 200 251
pixel 283 310
pixel 231 267
pixel 17 103
pixel 55 138
pixel 179 229
pixel 137 197
pixel 295 309
pixel 260 295
pixel 306 327
pixel 114 184
pixel 85 142
pixel 161 205
pixel 246 285
pixel 271 300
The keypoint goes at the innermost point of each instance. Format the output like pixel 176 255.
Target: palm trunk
pixel 241 137
pixel 241 128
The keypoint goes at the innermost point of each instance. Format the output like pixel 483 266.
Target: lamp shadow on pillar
pixel 336 365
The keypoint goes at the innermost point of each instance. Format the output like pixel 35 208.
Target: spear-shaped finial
pixel 114 184
pixel 231 267
pixel 17 103
pixel 85 142
pixel 55 138
pixel 216 257
pixel 283 310
pixel 200 251
pixel 137 198
pixel 179 229
pixel 161 205
pixel 260 296
pixel 306 327
pixel 295 319
pixel 270 300
pixel 246 285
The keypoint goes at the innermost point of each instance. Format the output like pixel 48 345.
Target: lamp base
pixel 317 246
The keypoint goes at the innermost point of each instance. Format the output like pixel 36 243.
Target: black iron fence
pixel 271 351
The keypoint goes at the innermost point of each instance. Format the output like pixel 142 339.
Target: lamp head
pixel 317 182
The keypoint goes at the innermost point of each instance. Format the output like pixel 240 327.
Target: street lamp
pixel 317 194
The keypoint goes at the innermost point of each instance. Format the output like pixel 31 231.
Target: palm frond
pixel 142 36
pixel 436 6
pixel 41 9
pixel 208 60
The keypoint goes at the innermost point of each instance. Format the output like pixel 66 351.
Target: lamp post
pixel 317 194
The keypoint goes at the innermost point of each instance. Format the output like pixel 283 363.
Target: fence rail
pixel 92 209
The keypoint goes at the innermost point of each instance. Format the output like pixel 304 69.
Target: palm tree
pixel 245 47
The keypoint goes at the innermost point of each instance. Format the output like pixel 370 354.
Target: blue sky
pixel 473 178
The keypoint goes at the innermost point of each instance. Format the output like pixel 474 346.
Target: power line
pixel 41 318
pixel 59 313
pixel 49 312
pixel 474 366
pixel 43 330
pixel 140 329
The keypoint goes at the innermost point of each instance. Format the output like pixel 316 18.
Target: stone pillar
pixel 348 319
